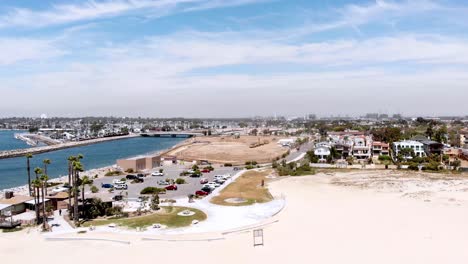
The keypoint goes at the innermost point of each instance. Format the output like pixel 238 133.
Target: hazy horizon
pixel 233 58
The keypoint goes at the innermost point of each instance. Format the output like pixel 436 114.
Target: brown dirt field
pixel 228 149
pixel 247 186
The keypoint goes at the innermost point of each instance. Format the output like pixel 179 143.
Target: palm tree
pixel 43 181
pixel 77 168
pixel 46 162
pixel 37 195
pixel 71 159
pixel 36 184
pixel 28 157
pixel 84 181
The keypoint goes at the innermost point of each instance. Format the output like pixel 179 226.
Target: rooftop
pixel 17 199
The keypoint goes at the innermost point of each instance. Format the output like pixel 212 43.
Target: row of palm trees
pixel 38 186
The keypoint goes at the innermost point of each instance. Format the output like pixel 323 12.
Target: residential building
pixel 322 152
pixel 433 147
pixel 416 146
pixel 380 148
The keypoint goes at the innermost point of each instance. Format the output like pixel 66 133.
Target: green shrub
pixel 130 170
pixel 413 166
pixel 227 164
pixel 112 173
pixel 249 167
pixel 384 157
pixel 180 181
pixel 152 190
pixel 94 189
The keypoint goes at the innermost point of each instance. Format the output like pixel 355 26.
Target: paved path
pixel 63 226
pixel 297 155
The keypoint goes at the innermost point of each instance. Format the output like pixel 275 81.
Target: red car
pixel 203 181
pixel 206 171
pixel 171 187
pixel 201 193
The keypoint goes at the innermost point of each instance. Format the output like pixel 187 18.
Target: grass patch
pixel 166 216
pixel 11 230
pixel 248 187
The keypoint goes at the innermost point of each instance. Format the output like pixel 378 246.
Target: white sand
pixel 321 223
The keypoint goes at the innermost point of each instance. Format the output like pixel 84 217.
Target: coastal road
pixel 171 172
pixel 297 155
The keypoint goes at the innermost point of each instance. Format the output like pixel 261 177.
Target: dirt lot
pixel 229 149
pixel 247 187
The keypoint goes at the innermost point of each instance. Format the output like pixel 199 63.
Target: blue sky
pixel 213 58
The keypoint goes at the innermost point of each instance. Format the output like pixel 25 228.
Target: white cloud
pixel 89 10
pixel 15 50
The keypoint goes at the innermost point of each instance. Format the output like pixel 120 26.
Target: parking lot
pixel 172 172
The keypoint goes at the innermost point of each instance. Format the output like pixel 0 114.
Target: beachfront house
pixel 322 152
pixel 362 147
pixel 432 147
pixel 380 148
pixel 416 146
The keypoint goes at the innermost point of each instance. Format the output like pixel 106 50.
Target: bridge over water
pixel 181 134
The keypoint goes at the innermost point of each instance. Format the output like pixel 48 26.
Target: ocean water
pixel 13 171
pixel 8 142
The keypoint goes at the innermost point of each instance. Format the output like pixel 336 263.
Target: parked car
pixel 219 180
pixel 107 185
pixel 141 175
pixel 206 171
pixel 171 187
pixel 220 177
pixel 195 175
pixel 201 193
pixel 163 182
pixel 122 186
pixel 131 177
pixel 207 189
pixel 191 171
pixel 209 186
pixel 117 198
pixel 214 184
pixel 138 180
pixel 157 173
pixel 236 168
pixel 204 181
pixel 117 182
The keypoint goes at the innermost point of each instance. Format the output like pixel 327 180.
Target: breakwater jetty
pixel 37 150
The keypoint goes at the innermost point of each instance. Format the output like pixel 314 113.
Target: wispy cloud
pixel 89 10
pixel 16 50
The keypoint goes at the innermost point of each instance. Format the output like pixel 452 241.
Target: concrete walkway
pixel 63 226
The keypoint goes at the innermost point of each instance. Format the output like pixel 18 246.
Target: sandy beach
pixel 324 221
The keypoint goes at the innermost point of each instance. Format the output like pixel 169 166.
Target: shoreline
pixel 6 154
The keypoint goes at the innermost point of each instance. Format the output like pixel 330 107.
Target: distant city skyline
pixel 233 58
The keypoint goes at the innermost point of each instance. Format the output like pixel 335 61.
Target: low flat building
pixel 16 204
pixel 139 163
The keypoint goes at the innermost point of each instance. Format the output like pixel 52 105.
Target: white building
pixel 322 153
pixel 416 146
pixel 286 142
